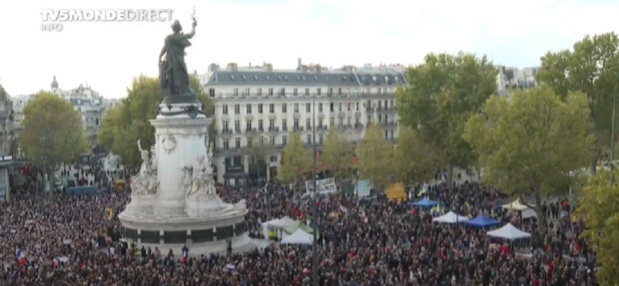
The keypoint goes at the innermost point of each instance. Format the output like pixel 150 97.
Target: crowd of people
pixel 71 240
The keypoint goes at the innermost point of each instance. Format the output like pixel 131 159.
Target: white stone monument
pixel 174 202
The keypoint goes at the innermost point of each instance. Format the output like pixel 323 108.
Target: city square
pixel 456 170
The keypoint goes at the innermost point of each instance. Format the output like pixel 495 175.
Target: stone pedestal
pixel 170 219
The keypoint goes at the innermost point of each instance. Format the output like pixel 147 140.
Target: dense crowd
pixel 71 240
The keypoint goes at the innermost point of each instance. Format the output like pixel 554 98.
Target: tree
pixel 337 154
pixel 295 160
pixel 258 154
pixel 591 68
pixel 375 156
pixel 129 121
pixel 521 142
pixel 442 93
pixel 599 206
pixel 414 159
pixel 53 132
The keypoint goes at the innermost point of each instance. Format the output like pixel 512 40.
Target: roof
pixel 227 77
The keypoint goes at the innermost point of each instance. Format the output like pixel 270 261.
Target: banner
pixel 325 186
pixel 363 188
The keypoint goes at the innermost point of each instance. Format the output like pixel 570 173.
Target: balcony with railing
pixel 286 95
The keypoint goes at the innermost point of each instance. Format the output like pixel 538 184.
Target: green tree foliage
pixel 338 153
pixel 257 153
pixel 599 206
pixel 129 121
pixel 442 94
pixel 521 142
pixel 414 159
pixel 375 156
pixel 592 67
pixel 53 133
pixel 296 160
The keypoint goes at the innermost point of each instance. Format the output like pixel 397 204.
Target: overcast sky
pixel 107 55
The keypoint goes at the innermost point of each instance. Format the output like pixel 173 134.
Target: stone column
pixel 180 139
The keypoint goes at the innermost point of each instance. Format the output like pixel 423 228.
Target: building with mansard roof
pixel 269 104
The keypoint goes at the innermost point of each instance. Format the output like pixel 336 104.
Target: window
pixel 386 135
pixel 284 108
pixel 339 91
pixel 294 91
pixel 349 106
pixel 332 121
pixel 236 92
pixel 318 91
pixel 391 131
pixel 307 91
pixel 224 109
pixel 260 108
pixel 270 91
pixel 237 143
pixel 248 124
pixel 237 126
pixel 211 92
pixel 248 109
pixel 272 140
pixel 309 139
pixel 226 144
pixel 237 109
pixel 249 142
pixel 320 123
pixel 348 121
pixel 272 108
pixel 284 140
pixel 296 124
pixel 332 106
pixel 247 91
pixel 340 107
pixel 296 108
pixel 357 106
pixel 308 107
pixel 261 141
pixel 271 124
pixel 320 138
pixel 260 127
pixel 320 107
pixel 224 126
pixel 273 159
pixel 259 92
pixel 284 125
pixel 308 124
pixel 282 91
pixel 341 121
pixel 330 92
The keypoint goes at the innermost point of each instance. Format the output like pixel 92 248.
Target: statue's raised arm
pixel 140 146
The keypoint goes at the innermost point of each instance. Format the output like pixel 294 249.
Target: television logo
pixel 54 19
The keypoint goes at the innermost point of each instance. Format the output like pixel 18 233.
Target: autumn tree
pixel 415 161
pixel 129 121
pixel 591 67
pixel 441 95
pixel 296 160
pixel 523 145
pixel 599 206
pixel 337 154
pixel 375 156
pixel 53 133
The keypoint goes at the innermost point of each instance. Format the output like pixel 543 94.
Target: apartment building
pixel 262 105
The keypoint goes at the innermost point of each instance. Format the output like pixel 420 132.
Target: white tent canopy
pixel 298 237
pixel 515 206
pixel 450 217
pixel 509 232
pixel 283 222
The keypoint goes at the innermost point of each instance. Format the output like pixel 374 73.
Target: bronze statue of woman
pixel 173 75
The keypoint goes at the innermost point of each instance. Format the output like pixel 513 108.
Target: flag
pixel 184 259
pixel 55 262
pixel 20 256
pixel 18 253
pixel 423 192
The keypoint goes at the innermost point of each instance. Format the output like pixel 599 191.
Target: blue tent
pixel 482 221
pixel 425 202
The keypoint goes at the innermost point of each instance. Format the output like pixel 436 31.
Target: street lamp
pixel 612 140
pixel 315 200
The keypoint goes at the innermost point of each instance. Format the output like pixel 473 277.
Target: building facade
pixel 7 141
pixel 263 106
pixel 510 77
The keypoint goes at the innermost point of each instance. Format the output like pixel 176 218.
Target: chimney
pixel 299 64
pixel 268 67
pixel 250 65
pixel 213 67
pixel 233 66
pixel 318 68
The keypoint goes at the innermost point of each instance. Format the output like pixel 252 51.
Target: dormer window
pixel 255 77
pixel 232 76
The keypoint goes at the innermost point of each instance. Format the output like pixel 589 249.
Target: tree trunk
pixel 594 164
pixel 450 177
pixel 541 219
